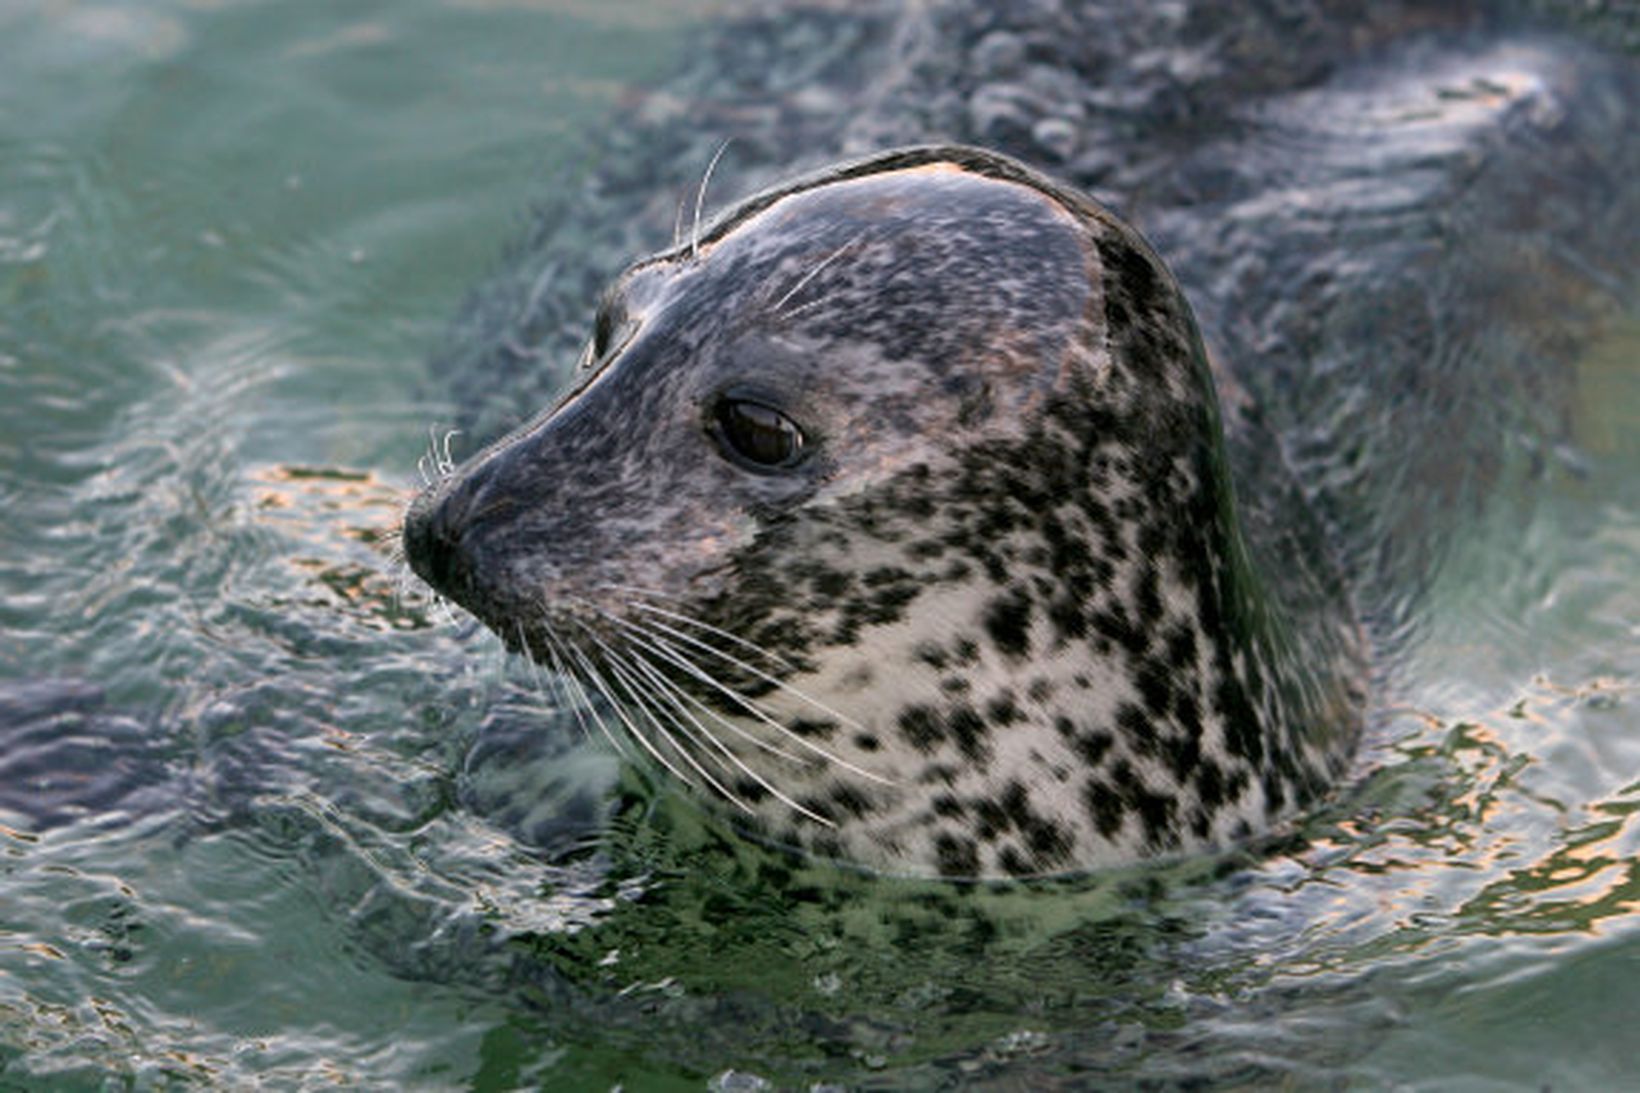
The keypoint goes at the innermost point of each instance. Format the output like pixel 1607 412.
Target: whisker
pixel 640 644
pixel 602 722
pixel 764 676
pixel 815 272
pixel 555 690
pixel 666 650
pixel 432 445
pixel 554 644
pixel 800 308
pixel 643 741
pixel 640 590
pixel 631 686
pixel 447 465
pixel 669 687
pixel 700 198
pixel 710 629
pixel 636 662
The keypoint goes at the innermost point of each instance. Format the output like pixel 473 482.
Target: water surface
pixel 262 819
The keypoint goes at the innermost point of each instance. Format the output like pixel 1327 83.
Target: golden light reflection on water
pixel 318 508
pixel 1468 830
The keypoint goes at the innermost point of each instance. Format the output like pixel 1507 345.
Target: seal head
pixel 894 513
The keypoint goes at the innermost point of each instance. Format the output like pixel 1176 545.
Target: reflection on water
pixel 266 815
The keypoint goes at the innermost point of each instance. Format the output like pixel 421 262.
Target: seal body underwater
pixel 895 513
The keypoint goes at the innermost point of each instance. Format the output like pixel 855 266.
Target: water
pixel 307 832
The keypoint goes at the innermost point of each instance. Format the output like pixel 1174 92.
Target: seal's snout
pixel 432 538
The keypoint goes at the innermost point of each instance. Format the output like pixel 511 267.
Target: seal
pixel 894 512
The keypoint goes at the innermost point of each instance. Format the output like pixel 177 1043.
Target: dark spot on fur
pixel 1093 746
pixel 992 820
pixel 807 727
pixel 920 727
pixel 1241 725
pixel 930 654
pixel 1187 714
pixel 1137 728
pixel 1184 755
pixel 890 599
pixel 1147 596
pixel 851 800
pixel 1016 802
pixel 1275 793
pixel 832 583
pixel 1209 784
pixel 1002 709
pixel 969 731
pixel 1067 618
pixel 1181 648
pixel 1155 686
pixel 750 790
pixel 1008 621
pixel 1050 843
pixel 887 575
pixel 1155 810
pixel 1014 863
pixel 1113 625
pixel 1104 807
pixel 819 807
pixel 956 856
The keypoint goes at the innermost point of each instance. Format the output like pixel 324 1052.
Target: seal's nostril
pixel 432 535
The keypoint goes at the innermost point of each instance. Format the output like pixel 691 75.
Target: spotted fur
pixel 999 620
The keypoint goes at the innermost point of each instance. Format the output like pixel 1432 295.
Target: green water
pixel 229 234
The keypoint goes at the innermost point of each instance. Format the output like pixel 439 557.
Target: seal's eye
pixel 761 436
